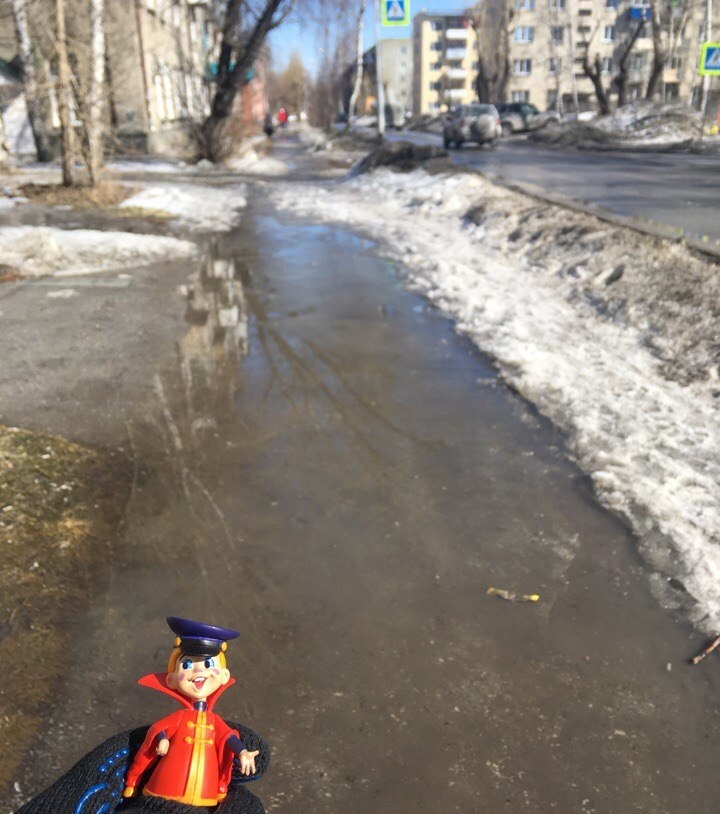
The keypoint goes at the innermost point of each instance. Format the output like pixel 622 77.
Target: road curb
pixel 702 243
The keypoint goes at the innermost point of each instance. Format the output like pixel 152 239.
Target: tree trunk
pixel 358 65
pixel 659 56
pixel 94 122
pixel 594 74
pixel 231 81
pixel 63 95
pixel 620 78
pixel 33 102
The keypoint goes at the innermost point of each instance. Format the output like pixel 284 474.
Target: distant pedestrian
pixel 269 125
pixel 282 117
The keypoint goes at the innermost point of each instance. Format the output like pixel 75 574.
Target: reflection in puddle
pixel 215 342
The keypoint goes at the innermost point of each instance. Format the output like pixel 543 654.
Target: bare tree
pixel 243 32
pixel 63 94
pixel 668 22
pixel 592 68
pixel 491 21
pixel 620 78
pixel 36 110
pixel 94 122
pixel 358 64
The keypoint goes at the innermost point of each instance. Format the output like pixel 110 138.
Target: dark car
pixel 521 117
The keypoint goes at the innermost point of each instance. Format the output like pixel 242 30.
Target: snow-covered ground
pixel 592 341
pixel 37 251
pixel 201 208
pixel 255 164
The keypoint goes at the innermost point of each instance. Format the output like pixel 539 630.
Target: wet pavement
pixel 343 485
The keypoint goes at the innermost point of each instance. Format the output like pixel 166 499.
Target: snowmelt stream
pixel 650 444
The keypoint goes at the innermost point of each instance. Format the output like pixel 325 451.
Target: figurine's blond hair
pixel 177 652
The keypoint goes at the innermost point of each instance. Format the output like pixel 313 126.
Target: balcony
pixel 456 34
pixel 455 94
pixel 455 53
pixel 456 73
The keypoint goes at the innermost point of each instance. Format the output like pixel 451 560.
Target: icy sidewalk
pixel 650 443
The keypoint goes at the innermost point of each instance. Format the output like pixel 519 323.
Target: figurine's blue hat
pixel 198 639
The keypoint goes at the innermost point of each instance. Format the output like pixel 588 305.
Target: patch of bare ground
pixel 107 195
pixel 60 505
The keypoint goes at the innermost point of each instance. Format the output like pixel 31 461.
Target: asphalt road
pixel 345 495
pixel 679 189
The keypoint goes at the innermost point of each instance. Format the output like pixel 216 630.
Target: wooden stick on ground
pixel 713 644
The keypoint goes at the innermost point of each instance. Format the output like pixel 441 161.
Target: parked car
pixel 476 122
pixel 520 117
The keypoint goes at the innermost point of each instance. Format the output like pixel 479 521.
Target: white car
pixel 477 122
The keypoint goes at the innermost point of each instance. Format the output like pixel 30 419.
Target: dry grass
pixel 59 506
pixel 106 195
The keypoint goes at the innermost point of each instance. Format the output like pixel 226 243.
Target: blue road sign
pixel 710 59
pixel 395 12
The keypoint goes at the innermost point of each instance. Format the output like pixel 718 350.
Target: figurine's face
pixel 197 678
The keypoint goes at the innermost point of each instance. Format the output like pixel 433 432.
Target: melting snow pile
pixel 255 164
pixel 37 251
pixel 197 207
pixel 636 124
pixel 587 335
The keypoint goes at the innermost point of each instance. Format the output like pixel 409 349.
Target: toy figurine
pixel 192 749
pixel 191 758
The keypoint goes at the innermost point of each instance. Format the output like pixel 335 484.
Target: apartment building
pixel 547 42
pixel 445 62
pixel 160 55
pixel 549 38
pixel 396 58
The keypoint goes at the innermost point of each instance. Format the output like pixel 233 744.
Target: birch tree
pixel 358 64
pixel 36 110
pixel 62 87
pixel 94 123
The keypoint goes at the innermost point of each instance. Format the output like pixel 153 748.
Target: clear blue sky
pixel 292 36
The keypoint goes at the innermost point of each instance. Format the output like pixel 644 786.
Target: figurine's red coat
pixel 198 766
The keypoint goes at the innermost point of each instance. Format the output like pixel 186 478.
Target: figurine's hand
pixel 128 791
pixel 247 762
pixel 162 747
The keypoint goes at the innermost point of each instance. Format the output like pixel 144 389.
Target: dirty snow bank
pixel 37 251
pixel 648 437
pixel 635 125
pixel 198 207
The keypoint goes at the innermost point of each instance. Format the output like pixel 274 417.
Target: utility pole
pixel 571 53
pixel 378 71
pixel 706 78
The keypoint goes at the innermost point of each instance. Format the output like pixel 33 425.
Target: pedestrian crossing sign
pixel 395 12
pixel 710 59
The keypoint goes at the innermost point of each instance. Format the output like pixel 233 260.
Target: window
pixel 609 33
pixel 557 32
pixel 557 4
pixel 436 46
pixel 606 65
pixel 524 33
pixel 611 3
pixel 520 96
pixel 637 62
pixel 554 65
pixel 583 29
pixel 585 12
pixel 522 67
pixel 525 5
pixel 677 63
